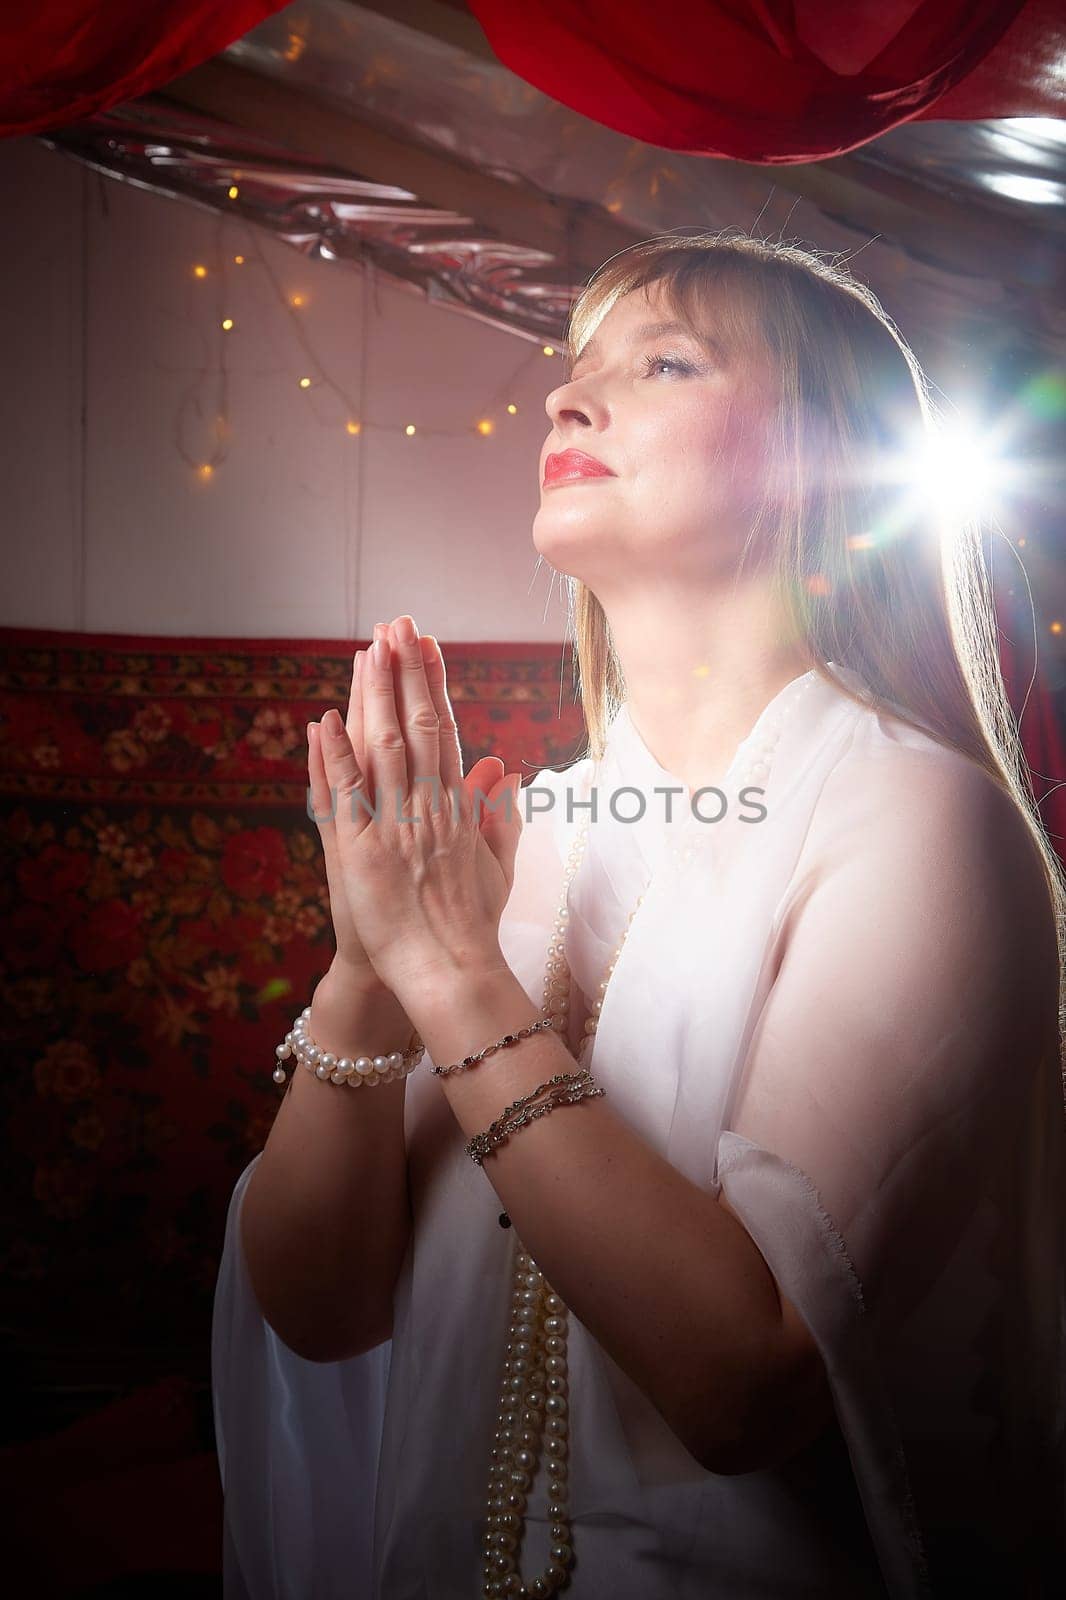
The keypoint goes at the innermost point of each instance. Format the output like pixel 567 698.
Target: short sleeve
pixel 915 997
pixel 896 1152
pixel 297 1444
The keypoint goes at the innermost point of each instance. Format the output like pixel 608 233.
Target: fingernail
pixel 406 630
pixel 380 652
pixel 332 722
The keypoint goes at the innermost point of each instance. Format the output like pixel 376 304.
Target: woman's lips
pixel 572 465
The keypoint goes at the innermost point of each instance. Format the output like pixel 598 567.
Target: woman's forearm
pixel 325 1219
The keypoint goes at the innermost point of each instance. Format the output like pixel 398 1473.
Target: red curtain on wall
pixel 777 81
pixel 64 59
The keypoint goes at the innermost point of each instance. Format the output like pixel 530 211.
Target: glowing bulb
pixel 239 260
pixel 1021 544
pixel 200 272
pixel 206 471
pixel 512 411
pixel 305 383
pixel 227 323
pixel 233 191
pixel 297 300
pixel 549 349
pixel 1056 627
pixel 409 430
pixel 354 427
pixel 484 426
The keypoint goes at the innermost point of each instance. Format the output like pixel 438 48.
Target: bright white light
pixel 959 470
pixel 1037 127
pixel 1017 186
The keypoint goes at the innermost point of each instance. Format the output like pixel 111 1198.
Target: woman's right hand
pixel 351 958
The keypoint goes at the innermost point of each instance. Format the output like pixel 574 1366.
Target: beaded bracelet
pixel 564 1089
pixel 370 1070
pixel 508 1040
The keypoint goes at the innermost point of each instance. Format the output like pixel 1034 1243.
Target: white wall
pixel 303 531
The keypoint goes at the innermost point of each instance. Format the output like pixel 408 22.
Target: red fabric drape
pixel 778 81
pixel 64 59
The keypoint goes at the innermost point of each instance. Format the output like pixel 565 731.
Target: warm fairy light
pixel 199 272
pixel 206 471
pixel 485 426
pixel 1056 627
pixel 233 191
pixel 354 427
pixel 549 349
pixel 305 383
pixel 227 323
pixel 860 541
pixel 512 410
pixel 409 430
pixel 297 300
pixel 239 260
pixel 1021 544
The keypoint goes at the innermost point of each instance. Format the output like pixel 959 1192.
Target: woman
pixel 789 1262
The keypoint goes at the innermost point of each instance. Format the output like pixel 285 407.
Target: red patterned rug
pixel 165 917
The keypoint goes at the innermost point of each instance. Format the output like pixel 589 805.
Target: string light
pixel 1056 627
pixel 233 191
pixel 484 426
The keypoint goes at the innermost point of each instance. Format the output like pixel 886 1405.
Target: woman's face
pixel 681 431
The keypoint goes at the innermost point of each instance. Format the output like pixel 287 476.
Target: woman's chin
pixel 563 541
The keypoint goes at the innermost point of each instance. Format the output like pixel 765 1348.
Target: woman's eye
pixel 650 362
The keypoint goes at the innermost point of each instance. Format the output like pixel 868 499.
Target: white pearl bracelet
pixel 369 1070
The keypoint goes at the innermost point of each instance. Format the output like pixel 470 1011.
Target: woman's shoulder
pixel 929 822
pixel 899 776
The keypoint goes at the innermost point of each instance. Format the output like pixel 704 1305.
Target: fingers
pixel 354 719
pixel 451 752
pixel 414 706
pixel 384 744
pixel 322 804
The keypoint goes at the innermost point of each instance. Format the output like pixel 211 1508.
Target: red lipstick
pixel 570 465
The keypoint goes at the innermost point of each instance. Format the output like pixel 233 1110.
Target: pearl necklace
pixel 533 1409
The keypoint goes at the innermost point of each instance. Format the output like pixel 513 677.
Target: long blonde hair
pixel 864 577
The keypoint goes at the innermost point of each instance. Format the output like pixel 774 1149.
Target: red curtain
pixel 777 81
pixel 64 59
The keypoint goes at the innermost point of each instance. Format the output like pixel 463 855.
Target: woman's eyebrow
pixel 650 330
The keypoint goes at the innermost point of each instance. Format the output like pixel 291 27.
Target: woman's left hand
pixel 427 865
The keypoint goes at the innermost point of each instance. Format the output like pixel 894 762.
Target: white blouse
pixel 843 1016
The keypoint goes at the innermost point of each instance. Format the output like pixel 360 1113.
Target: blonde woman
pixel 767 1298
